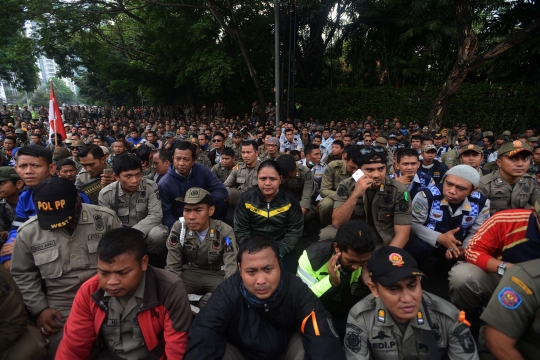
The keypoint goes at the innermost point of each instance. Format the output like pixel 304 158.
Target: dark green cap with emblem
pixel 8 173
pixel 197 195
pixel 513 148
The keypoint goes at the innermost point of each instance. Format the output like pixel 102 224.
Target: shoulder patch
pixel 236 167
pixel 509 298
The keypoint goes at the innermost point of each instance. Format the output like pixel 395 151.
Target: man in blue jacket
pixel 34 163
pixel 184 174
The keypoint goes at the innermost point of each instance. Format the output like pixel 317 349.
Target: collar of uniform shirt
pixel 202 234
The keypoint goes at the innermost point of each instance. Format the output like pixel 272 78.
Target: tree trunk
pixel 252 71
pixel 467 62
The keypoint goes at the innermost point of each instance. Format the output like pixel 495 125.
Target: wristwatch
pixel 501 268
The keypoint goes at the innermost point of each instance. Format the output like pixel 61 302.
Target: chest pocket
pixel 383 344
pixel 49 263
pixel 240 179
pixel 123 215
pixel 215 249
pixel 142 210
pixel 191 247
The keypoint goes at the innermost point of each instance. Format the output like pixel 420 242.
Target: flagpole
pixel 55 120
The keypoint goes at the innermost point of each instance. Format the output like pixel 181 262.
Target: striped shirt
pixel 510 235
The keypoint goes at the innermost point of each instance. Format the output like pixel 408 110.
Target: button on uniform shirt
pixel 121 331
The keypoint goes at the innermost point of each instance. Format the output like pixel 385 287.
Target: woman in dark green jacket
pixel 269 209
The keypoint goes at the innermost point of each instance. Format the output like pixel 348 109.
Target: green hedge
pixel 495 107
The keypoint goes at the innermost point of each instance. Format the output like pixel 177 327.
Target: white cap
pixel 465 172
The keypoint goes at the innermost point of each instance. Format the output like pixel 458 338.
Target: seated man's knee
pixel 156 239
pixel 328 232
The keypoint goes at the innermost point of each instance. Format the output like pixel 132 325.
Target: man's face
pixel 129 180
pixel 183 161
pixel 456 189
pixel 198 216
pixel 338 136
pixel 368 141
pixel 8 189
pixel 516 165
pixel 161 166
pixel 249 155
pixel 272 149
pixel 347 140
pixel 93 166
pixel 536 155
pixel 429 156
pixel 500 142
pixel 36 140
pixel 119 147
pixel 182 130
pixel 9 144
pixel 317 141
pixel 32 170
pixel 336 150
pixel 437 142
pixel 529 133
pixel 351 167
pixel 471 158
pixel 150 137
pixel 260 273
pixel 202 140
pixel 350 260
pixel 416 144
pixel 397 125
pixel 401 299
pixel 98 142
pixel 376 171
pixel 68 172
pixel 463 142
pixel 123 275
pixel 326 134
pixel 84 131
pixel 218 142
pixel 237 140
pixel 227 161
pixel 409 165
pixel 314 156
pixel 289 136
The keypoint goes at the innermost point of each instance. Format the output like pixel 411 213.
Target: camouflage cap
pixel 19 131
pixel 197 195
pixel 507 132
pixel 8 173
pixel 77 143
pixel 61 153
pixel 513 148
pixel 429 147
pixel 532 139
pixel 470 147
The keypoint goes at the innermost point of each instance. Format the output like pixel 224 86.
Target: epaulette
pixel 27 222
pixel 439 305
pixel 236 167
pixel 367 304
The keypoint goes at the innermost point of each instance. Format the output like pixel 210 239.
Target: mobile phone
pixel 357 174
pixel 108 171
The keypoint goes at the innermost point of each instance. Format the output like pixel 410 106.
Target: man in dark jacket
pixel 262 312
pixel 184 174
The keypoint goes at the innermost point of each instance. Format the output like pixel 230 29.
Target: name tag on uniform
pixel 112 322
pixel 437 215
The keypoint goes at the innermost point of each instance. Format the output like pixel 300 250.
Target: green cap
pixel 532 139
pixel 8 173
pixel 19 131
pixel 507 132
pixel 77 143
pixel 513 148
pixel 471 147
pixel 197 195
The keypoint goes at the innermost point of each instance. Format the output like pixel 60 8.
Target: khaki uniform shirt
pixel 390 206
pixel 237 153
pixel 515 305
pixel 121 331
pixel 78 165
pixel 372 333
pixel 451 158
pixel 301 185
pixel 262 151
pixel 217 252
pixel 268 157
pixel 140 210
pixel 204 161
pixel 221 172
pixel 60 261
pixel 334 174
pixel 503 197
pixel 84 177
pixel 242 178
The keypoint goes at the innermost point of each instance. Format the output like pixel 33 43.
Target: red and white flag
pixel 55 118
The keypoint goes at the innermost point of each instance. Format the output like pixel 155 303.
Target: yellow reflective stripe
pixel 280 210
pixel 305 276
pixel 265 213
pixel 257 211
pixel 514 244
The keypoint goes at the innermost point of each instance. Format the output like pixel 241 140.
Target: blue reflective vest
pixel 414 187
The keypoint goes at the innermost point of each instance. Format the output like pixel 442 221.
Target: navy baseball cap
pixel 390 264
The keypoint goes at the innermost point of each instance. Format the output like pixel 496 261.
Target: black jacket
pixel 262 332
pixel 282 218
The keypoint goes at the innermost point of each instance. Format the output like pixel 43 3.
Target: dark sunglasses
pixel 216 140
pixel 366 151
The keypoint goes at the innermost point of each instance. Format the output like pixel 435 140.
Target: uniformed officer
pixel 224 168
pixel 407 165
pixel 399 320
pixel 208 245
pixel 290 142
pixel 511 187
pixel 451 157
pixel 447 214
pixel 439 146
pixel 135 200
pixel 374 198
pixel 299 180
pixel 272 149
pixel 10 187
pixel 333 175
pixel 313 162
pixel 74 147
pixel 237 147
pixel 201 159
pixel 513 324
pixel 19 339
pixel 243 176
pixel 55 253
pixel 93 160
pixel 430 165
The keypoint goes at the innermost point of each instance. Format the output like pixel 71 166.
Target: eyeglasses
pixel 366 151
pixel 216 140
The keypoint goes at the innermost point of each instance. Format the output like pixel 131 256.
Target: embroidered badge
pixel 382 315
pixel 396 259
pixel 522 285
pixel 509 298
pixel 420 318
